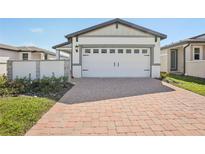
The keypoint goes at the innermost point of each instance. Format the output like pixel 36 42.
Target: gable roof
pixel 34 49
pixel 61 44
pixel 194 39
pixel 117 20
pixel 9 47
pixel 197 36
pixel 25 49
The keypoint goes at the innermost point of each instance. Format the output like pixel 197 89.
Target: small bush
pixel 47 86
pixel 163 75
pixel 9 88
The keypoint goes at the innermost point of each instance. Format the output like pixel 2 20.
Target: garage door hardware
pixel 146 70
pixel 85 70
pixel 85 55
pixel 118 64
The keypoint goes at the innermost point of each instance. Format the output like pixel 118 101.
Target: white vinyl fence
pixel 37 69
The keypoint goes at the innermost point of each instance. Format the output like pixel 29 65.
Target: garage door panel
pixel 114 64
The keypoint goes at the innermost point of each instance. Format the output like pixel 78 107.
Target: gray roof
pixel 34 49
pixel 197 36
pixel 117 20
pixel 61 44
pixel 26 49
pixel 195 39
pixel 9 47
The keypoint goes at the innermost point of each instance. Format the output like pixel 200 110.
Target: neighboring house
pixel 116 48
pixel 8 52
pixel 185 57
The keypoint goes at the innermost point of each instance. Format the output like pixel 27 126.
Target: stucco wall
pixel 118 40
pixel 121 30
pixel 3 69
pixel 7 54
pixel 36 56
pixel 180 59
pixel 51 57
pixel 164 60
pixel 155 71
pixel 50 68
pixel 4 56
pixel 21 69
pixel 196 68
pixel 38 69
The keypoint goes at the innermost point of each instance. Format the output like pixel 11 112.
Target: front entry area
pixel 174 58
pixel 116 62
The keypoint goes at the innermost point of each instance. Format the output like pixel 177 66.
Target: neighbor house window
pixel 95 50
pixel 136 51
pixel 104 51
pixel 25 56
pixel 196 54
pixel 128 51
pixel 120 50
pixel 87 50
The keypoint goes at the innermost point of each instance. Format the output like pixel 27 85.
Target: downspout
pixel 185 58
pixel 71 59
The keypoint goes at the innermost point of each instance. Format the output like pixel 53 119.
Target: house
pixel 116 48
pixel 8 52
pixel 185 57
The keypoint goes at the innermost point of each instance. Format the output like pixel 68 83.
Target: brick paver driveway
pixel 124 107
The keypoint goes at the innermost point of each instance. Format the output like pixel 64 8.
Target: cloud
pixel 36 30
pixel 29 44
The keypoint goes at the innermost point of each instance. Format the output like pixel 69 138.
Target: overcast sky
pixel 45 33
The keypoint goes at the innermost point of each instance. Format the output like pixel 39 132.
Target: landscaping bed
pixel 24 101
pixel 194 84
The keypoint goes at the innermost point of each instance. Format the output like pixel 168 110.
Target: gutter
pixel 71 57
pixel 185 58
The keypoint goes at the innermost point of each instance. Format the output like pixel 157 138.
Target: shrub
pixel 163 75
pixel 9 87
pixel 47 86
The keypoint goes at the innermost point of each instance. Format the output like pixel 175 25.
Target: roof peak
pixel 197 36
pixel 117 20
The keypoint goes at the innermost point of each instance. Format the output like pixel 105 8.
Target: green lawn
pixel 193 84
pixel 18 114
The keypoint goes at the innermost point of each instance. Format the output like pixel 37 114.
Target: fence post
pixel 9 69
pixel 66 69
pixel 38 73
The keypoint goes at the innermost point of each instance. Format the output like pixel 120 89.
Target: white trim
pixel 200 53
pixel 195 61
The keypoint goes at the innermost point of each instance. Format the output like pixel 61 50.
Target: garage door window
pixel 144 51
pixel 128 51
pixel 120 51
pixel 112 50
pixel 104 51
pixel 95 50
pixel 87 50
pixel 136 51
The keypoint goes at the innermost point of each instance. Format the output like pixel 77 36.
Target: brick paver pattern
pixel 178 112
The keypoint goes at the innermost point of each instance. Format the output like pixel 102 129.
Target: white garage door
pixel 116 62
